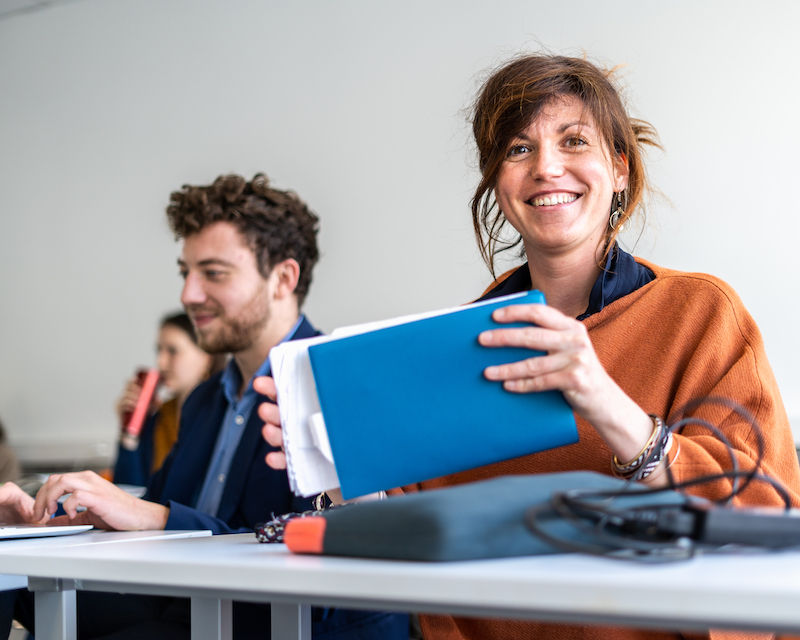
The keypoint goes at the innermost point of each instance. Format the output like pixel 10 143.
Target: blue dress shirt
pixel 233 424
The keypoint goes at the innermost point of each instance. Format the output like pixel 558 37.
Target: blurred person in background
pixel 182 365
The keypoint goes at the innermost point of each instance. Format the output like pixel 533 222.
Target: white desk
pixel 55 600
pixel 8 582
pixel 746 592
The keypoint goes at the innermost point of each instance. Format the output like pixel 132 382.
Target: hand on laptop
pixel 16 506
pixel 107 506
pixel 271 416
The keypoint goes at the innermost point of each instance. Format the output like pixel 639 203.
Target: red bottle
pixel 132 421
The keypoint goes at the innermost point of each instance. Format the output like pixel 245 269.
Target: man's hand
pixel 16 506
pixel 107 506
pixel 271 416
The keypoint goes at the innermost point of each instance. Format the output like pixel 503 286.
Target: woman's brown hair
pixel 511 99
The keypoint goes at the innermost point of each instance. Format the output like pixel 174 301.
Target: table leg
pixel 212 619
pixel 55 615
pixel 291 621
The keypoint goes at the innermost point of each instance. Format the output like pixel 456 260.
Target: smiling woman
pixel 556 182
pixel 589 105
pixel 628 343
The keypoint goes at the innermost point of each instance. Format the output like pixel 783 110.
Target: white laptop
pixel 9 531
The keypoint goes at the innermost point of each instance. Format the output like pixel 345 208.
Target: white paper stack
pixel 309 461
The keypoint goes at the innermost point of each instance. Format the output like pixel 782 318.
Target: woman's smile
pixel 552 199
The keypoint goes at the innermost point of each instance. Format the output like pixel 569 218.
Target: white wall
pixel 106 106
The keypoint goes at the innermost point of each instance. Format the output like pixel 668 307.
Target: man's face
pixel 224 293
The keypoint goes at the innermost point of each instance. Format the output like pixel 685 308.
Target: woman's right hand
pixel 127 401
pixel 570 365
pixel 271 415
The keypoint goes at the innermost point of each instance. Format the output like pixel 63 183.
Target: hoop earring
pixel 618 206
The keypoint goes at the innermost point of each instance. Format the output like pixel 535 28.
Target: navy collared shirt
pixel 236 416
pixel 620 276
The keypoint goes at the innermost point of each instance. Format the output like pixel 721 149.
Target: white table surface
pixel 89 537
pixel 760 591
pixel 61 621
pixel 93 536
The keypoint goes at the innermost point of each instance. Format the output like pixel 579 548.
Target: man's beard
pixel 236 334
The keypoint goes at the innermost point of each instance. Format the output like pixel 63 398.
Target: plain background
pixel 106 106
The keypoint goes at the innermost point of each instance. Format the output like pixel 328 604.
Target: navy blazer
pixel 253 492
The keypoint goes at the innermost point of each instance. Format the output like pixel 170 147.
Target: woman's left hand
pixel 569 365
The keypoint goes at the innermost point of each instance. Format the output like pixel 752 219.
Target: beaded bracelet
pixel 662 449
pixel 653 452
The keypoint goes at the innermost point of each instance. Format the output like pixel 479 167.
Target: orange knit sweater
pixel 680 337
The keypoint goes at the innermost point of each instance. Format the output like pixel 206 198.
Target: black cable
pixel 743 413
pixel 613 545
pixel 655 532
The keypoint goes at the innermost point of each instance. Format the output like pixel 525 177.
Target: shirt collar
pixel 621 275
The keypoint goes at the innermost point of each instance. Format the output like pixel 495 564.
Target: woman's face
pixel 181 363
pixel 557 181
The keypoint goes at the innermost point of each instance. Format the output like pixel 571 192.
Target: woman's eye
pixel 183 273
pixel 518 150
pixel 576 141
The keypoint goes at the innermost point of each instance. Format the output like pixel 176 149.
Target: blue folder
pixel 409 403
